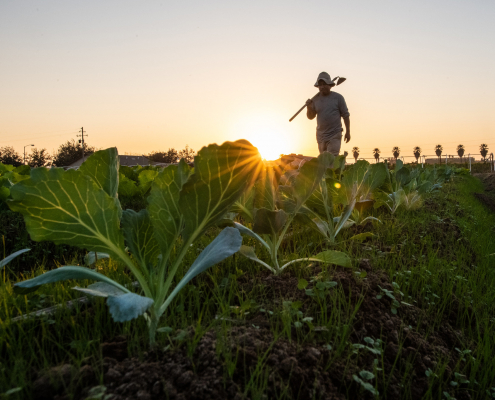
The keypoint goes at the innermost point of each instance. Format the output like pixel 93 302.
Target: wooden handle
pixel 302 108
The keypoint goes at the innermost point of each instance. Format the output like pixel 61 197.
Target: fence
pixel 446 158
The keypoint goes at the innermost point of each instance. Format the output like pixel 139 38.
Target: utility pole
pixel 82 141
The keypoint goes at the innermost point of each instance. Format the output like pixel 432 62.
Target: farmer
pixel 329 107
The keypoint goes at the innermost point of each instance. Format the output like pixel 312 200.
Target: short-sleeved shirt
pixel 329 111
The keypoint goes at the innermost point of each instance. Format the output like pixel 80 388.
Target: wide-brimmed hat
pixel 325 77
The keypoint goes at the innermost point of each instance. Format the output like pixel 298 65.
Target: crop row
pixel 228 187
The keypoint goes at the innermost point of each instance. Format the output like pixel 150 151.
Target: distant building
pixel 128 161
pixel 450 160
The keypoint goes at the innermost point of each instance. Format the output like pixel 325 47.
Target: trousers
pixel 331 145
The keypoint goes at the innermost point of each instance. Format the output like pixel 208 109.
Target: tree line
pixel 417 152
pixel 71 151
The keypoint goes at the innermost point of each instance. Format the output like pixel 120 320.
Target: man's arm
pixel 347 123
pixel 310 112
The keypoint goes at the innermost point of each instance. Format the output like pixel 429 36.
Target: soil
pixel 410 342
pixel 487 198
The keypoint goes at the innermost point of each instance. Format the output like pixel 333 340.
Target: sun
pixel 267 134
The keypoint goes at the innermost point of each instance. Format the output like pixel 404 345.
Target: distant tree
pixel 396 152
pixel 39 158
pixel 438 151
pixel 483 150
pixel 460 151
pixel 355 153
pixel 376 153
pixel 171 156
pixel 417 153
pixel 9 156
pixel 70 152
pixel 187 154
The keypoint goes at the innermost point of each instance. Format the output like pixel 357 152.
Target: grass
pixel 440 257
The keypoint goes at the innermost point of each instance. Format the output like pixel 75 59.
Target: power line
pixel 35 138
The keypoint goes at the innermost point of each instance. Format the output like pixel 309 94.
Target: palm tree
pixel 355 153
pixel 438 151
pixel 484 151
pixel 417 152
pixel 396 152
pixel 376 153
pixel 460 151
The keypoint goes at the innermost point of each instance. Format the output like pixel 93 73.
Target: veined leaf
pixel 138 233
pixel 268 221
pixel 265 189
pixel 103 167
pixel 146 179
pixel 309 177
pixel 245 205
pixel 68 208
pixel 62 274
pixel 316 224
pixel 334 257
pixel 221 174
pixel 127 187
pixel 128 306
pixel 228 242
pixel 163 206
pixel 8 259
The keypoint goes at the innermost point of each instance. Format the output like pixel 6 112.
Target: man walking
pixel 329 107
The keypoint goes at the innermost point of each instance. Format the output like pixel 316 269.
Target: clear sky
pixel 149 75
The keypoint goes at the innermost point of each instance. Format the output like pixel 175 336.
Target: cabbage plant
pixel 275 208
pixel 81 208
pixel 355 187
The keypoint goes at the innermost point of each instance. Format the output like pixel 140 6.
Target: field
pixel 351 283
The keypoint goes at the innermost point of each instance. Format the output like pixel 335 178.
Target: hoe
pixel 339 81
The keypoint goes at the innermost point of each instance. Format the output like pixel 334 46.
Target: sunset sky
pixel 151 75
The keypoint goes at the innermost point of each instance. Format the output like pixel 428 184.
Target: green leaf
pixel 146 179
pixel 68 208
pixel 366 375
pixel 302 284
pixel 268 221
pixel 227 242
pixel 316 224
pixel 309 177
pixel 9 258
pixel 403 176
pixel 93 256
pixel 62 274
pixel 265 189
pixel 163 208
pixel 249 232
pixel 127 187
pixel 100 289
pixel 245 205
pixel 128 306
pixel 103 167
pixel 343 219
pixel 248 252
pixel 138 233
pixel 360 237
pixel 221 175
pixel 334 257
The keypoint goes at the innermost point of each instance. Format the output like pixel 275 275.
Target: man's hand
pixel 347 123
pixel 310 112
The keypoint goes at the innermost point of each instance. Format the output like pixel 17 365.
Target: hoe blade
pixel 340 80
